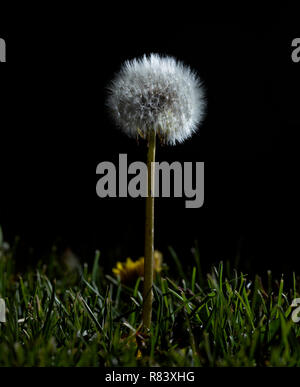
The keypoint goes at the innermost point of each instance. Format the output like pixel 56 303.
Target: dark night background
pixel 55 130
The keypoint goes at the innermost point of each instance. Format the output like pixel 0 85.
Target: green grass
pixel 87 318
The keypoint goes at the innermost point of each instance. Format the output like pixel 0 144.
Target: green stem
pixel 149 234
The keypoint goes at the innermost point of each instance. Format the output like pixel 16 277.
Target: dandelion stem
pixel 149 234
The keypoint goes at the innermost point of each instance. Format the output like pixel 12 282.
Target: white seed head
pixel 157 93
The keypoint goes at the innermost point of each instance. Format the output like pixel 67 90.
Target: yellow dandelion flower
pixel 157 261
pixel 130 271
pixel 139 354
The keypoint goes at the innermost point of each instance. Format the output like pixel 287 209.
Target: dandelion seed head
pixel 160 93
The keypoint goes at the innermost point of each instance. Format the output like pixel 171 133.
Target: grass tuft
pixel 91 319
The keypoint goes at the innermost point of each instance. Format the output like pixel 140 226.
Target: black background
pixel 55 130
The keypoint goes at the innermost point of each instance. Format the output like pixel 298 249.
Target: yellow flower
pixel 139 354
pixel 130 271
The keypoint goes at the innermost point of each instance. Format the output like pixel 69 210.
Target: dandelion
pixel 130 271
pixel 155 95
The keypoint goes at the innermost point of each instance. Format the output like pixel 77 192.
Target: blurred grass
pixel 83 317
